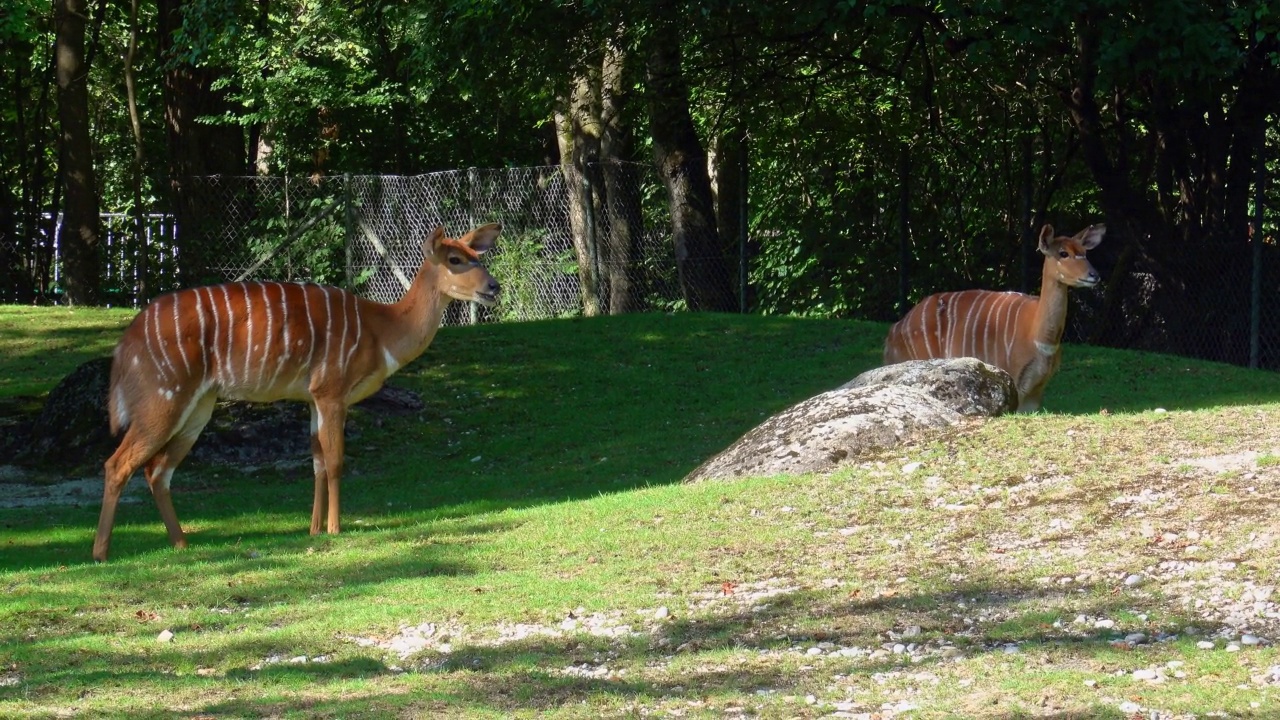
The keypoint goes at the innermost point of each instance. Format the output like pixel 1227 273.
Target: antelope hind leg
pixel 160 468
pixel 134 451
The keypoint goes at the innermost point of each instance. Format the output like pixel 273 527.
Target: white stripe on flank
pixel 979 327
pixel 946 323
pixel 217 336
pixel 146 332
pixel 341 359
pixel 284 322
pixel 969 339
pixel 328 330
pixel 926 332
pixel 231 334
pixel 988 331
pixel 248 333
pixel 355 310
pixel 177 335
pixel 974 324
pixel 204 338
pixel 160 341
pixel 1009 329
pixel 311 351
pixel 267 338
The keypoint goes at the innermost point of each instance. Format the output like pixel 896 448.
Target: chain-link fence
pixel 557 253
pixel 600 240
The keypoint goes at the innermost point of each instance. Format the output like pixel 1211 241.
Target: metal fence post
pixel 347 222
pixel 1255 289
pixel 593 249
pixel 744 175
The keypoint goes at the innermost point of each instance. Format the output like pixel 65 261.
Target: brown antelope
pixel 1018 333
pixel 264 341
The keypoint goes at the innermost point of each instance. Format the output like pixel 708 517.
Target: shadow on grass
pixel 528 413
pixel 728 655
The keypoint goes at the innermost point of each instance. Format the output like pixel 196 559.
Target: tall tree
pixel 578 134
pixel 624 227
pixel 705 280
pixel 596 153
pixel 197 148
pixel 79 234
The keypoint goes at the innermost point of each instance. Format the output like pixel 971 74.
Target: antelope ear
pixel 483 238
pixel 432 243
pixel 1046 239
pixel 1091 236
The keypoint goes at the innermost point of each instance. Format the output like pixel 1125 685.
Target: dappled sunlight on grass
pixel 539 491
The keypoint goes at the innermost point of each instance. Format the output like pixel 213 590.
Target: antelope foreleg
pixel 328 419
pixel 333 417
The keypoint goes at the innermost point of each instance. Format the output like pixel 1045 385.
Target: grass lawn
pixel 524 547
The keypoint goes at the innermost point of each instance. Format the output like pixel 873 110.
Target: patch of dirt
pixel 1229 462
pixel 81 491
pixel 55 447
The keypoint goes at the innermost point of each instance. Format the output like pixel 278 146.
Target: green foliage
pixel 522 267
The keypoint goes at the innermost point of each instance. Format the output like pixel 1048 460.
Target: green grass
pixel 540 488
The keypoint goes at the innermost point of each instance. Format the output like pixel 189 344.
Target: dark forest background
pixel 870 152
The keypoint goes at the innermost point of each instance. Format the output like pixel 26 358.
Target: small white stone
pixel 810 700
pixel 1232 647
pixel 1250 640
pixel 1090 683
pixel 1129 708
pixel 1133 580
pixel 165 636
pixel 662 613
pixel 1145 674
pixel 1104 624
pixel 1205 644
pixel 1160 410
pixel 911 467
pixel 814 651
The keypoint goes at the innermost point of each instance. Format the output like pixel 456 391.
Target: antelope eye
pixel 455 260
pixel 1064 254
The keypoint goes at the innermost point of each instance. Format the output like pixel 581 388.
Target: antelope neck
pixel 416 316
pixel 1051 310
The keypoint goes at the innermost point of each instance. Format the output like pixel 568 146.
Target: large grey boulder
pixel 877 410
pixel 966 385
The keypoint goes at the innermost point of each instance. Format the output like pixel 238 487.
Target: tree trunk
pixel 728 185
pixel 78 237
pixel 624 228
pixel 142 291
pixel 705 280
pixel 578 134
pixel 196 150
